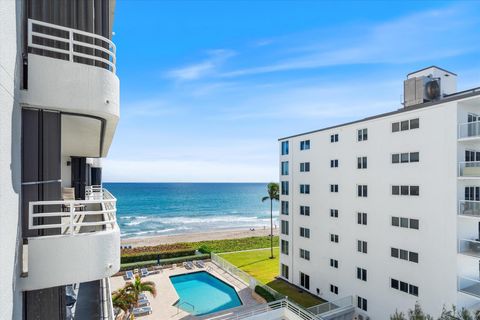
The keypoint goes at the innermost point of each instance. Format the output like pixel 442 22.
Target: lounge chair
pixel 190 264
pixel 143 302
pixel 142 311
pixel 187 266
pixel 129 275
pixel 199 263
pixel 142 296
pixel 144 272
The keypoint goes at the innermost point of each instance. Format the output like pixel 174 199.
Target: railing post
pixel 72 210
pixel 70 45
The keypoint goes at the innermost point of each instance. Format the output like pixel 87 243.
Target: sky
pixel 208 87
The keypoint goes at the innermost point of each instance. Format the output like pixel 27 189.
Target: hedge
pixel 136 257
pixel 144 264
pixel 264 294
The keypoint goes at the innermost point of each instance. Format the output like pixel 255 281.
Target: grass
pixel 258 264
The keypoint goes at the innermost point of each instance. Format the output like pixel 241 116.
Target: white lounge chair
pixel 144 272
pixel 143 302
pixel 199 263
pixel 142 311
pixel 187 266
pixel 129 275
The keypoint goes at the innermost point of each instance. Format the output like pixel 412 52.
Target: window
pixel 284 247
pixel 333 237
pixel 334 213
pixel 304 232
pixel 304 254
pixel 334 138
pixel 304 188
pixel 284 227
pixel 362 246
pixel 333 289
pixel 361 162
pixel 406 125
pixel 404 287
pixel 334 263
pixel 361 274
pixel 305 145
pixel 405 223
pixel 305 280
pixel 284 148
pixel 406 190
pixel 305 167
pixel 406 157
pixel 284 207
pixel 362 135
pixel 334 188
pixel 304 210
pixel 362 303
pixel 284 271
pixel 362 191
pixel 334 163
pixel 362 218
pixel 404 255
pixel 284 170
pixel 472 193
pixel 285 188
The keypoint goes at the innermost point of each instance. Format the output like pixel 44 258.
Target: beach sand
pixel 200 236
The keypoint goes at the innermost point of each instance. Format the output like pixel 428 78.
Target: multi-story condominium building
pixel 387 208
pixel 59 107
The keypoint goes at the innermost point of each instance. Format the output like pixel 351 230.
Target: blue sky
pixel 207 88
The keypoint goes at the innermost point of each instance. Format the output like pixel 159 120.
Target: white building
pixel 59 107
pixel 387 208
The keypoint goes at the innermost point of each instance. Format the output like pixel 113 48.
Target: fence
pixel 243 276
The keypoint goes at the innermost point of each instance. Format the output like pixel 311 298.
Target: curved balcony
pixel 469 131
pixel 469 170
pixel 469 286
pixel 73 71
pixel 469 208
pixel 71 241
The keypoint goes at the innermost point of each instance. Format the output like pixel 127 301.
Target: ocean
pixel 148 209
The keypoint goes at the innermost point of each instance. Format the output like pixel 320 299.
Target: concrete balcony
pixel 71 241
pixel 469 170
pixel 469 286
pixel 74 72
pixel 469 209
pixel 469 247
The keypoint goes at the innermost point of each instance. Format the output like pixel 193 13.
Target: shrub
pixel 144 264
pixel 262 292
pixel 146 256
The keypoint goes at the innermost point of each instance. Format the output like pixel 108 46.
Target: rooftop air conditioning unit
pixel 422 89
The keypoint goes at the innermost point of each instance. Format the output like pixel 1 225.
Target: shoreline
pixel 196 237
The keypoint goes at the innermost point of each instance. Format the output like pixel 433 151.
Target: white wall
pixel 436 241
pixel 10 297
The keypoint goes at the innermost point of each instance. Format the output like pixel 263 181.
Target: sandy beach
pixel 194 237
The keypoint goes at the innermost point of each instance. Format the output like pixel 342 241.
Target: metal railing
pixel 469 208
pixel 70 216
pixel 243 276
pixel 333 305
pixel 469 169
pixel 469 286
pixel 72 44
pixel 94 192
pixel 469 129
pixel 279 305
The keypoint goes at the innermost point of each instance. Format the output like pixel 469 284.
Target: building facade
pixel 386 208
pixel 59 98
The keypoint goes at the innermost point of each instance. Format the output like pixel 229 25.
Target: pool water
pixel 201 293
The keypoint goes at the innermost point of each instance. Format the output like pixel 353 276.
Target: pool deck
pixel 162 304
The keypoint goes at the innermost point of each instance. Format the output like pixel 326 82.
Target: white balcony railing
pixel 94 192
pixel 470 247
pixel 469 169
pixel 469 208
pixel 322 308
pixel 469 286
pixel 469 130
pixel 72 44
pixel 70 217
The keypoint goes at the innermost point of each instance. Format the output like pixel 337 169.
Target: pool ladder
pixel 187 303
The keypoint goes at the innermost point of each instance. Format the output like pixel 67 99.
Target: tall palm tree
pixel 138 286
pixel 273 195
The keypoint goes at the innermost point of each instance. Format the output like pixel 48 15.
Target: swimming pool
pixel 201 293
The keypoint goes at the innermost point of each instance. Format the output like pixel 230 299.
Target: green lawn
pixel 258 264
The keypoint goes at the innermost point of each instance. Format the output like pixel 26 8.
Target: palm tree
pixel 123 300
pixel 139 286
pixel 273 194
